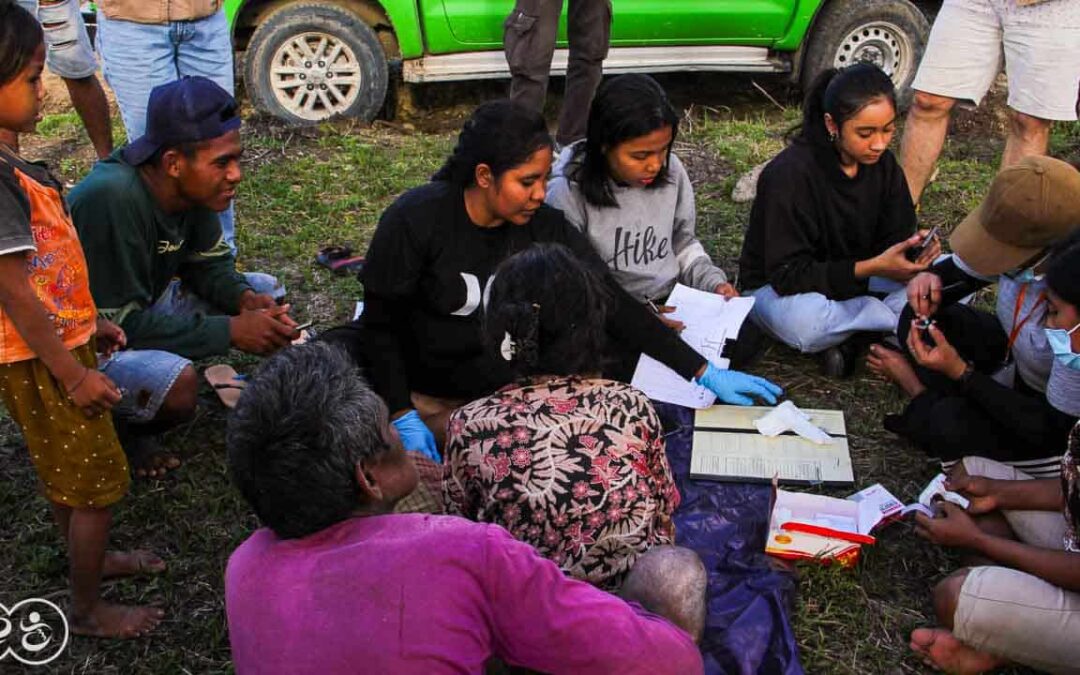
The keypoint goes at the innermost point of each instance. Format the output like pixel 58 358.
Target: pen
pixel 651 304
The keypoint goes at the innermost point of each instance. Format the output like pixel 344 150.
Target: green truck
pixel 308 60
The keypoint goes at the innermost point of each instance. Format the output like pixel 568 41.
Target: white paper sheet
pixel 710 320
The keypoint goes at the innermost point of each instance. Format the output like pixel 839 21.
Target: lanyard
pixel 1018 323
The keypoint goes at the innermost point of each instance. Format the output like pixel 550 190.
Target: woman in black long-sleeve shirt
pixel 981 383
pixel 430 264
pixel 832 221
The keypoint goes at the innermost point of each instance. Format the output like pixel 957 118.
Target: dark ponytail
pixel 625 107
pixel 500 134
pixel 841 93
pixel 20 36
pixel 546 313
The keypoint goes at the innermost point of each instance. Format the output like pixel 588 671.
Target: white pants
pixel 811 322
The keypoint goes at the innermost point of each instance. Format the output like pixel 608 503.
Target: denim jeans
pixel 68 51
pixel 811 322
pixel 145 376
pixel 137 57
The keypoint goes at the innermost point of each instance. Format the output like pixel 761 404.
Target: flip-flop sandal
pixel 339 260
pixel 226 383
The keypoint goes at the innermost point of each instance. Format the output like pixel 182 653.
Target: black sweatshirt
pixel 811 223
pixel 425 278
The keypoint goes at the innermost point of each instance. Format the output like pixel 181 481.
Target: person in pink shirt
pixel 337 583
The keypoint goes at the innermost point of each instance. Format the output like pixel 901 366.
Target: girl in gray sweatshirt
pixel 628 192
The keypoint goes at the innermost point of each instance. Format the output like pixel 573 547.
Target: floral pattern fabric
pixel 1070 487
pixel 575 467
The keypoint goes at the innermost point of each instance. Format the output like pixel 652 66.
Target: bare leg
pixel 1027 136
pixel 146 455
pixel 670 581
pixel 115 563
pixel 938 647
pixel 924 135
pixel 89 100
pixel 88 531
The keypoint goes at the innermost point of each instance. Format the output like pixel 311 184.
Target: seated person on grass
pixel 832 225
pixel 982 387
pixel 564 459
pixel 625 188
pixel 432 257
pixel 147 219
pixel 335 582
pixel 1025 610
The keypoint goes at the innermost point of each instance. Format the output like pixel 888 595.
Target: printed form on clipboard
pixel 711 320
pixel 728 447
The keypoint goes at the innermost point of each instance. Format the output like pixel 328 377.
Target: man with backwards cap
pixel 159 266
pixel 979 380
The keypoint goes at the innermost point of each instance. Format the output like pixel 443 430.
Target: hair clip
pixel 508 348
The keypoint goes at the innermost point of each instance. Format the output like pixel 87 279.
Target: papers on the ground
pixel 710 321
pixel 935 489
pixel 359 310
pixel 728 447
pixel 788 417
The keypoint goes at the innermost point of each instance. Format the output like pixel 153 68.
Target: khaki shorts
pixel 1039 44
pixel 1014 614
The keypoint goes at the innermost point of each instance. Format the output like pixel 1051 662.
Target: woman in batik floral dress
pixel 566 461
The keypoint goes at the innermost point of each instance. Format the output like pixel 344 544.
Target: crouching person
pixel 159 267
pixel 335 582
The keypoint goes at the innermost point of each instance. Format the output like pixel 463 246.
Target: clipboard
pixel 728 447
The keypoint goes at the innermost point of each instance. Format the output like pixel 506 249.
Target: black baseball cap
pixel 187 110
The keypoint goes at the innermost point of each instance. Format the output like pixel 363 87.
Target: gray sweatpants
pixel 529 41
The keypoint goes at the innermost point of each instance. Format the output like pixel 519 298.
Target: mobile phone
pixel 915 251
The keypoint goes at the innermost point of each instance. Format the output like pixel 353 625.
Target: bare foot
pixel 940 649
pixel 131 564
pixel 148 459
pixel 894 367
pixel 120 622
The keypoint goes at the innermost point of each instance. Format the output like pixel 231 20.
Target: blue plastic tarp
pixel 747 629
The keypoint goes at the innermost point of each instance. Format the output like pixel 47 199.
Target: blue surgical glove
pixel 731 386
pixel 416 436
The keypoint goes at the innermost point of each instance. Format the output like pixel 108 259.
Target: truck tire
pixel 889 33
pixel 310 61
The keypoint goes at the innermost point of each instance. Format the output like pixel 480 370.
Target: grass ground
pixel 308 188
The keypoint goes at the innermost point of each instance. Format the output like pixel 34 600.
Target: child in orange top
pixel 48 372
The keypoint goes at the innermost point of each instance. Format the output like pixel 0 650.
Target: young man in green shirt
pixel 159 268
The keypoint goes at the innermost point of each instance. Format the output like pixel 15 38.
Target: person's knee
pixel 924 104
pixel 670 581
pixel 947 595
pixel 265 284
pixel 179 404
pixel 1028 127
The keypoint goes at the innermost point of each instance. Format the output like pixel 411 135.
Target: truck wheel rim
pixel 315 76
pixel 883 44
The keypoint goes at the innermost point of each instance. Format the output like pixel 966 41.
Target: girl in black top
pixel 832 223
pixel 431 262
